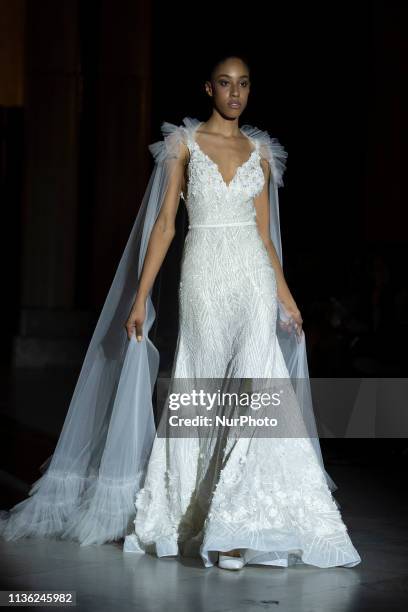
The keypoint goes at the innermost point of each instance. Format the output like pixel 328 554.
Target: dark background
pixel 84 87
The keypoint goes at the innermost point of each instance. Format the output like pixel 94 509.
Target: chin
pixel 232 113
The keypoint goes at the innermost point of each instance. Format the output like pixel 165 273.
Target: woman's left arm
pixel 261 203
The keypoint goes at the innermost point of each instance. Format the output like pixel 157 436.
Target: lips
pixel 234 104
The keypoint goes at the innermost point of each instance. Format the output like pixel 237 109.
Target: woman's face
pixel 229 87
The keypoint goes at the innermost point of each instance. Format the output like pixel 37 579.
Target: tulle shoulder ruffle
pixel 169 146
pixel 173 136
pixel 269 148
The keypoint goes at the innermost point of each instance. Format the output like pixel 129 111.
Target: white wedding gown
pixel 266 496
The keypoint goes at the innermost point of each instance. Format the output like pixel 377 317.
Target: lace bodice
pixel 209 199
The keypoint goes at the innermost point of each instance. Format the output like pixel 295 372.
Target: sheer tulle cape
pixel 89 484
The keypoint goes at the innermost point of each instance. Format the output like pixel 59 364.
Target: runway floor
pixel 106 579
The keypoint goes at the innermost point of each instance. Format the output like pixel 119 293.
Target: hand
pixel 290 318
pixel 136 319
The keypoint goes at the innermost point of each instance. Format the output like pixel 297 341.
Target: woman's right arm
pixel 162 234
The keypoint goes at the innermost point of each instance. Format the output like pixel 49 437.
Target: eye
pixel 224 82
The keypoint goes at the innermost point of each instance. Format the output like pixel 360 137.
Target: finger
pixel 139 333
pixel 298 329
pixel 129 330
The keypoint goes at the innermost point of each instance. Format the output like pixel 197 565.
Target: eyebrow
pixel 227 75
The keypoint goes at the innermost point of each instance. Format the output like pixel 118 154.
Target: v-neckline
pixel 215 165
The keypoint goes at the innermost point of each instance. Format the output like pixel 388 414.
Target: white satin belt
pixel 233 223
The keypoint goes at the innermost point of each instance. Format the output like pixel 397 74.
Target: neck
pixel 219 125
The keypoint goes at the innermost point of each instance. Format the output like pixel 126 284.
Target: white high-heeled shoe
pixel 229 562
